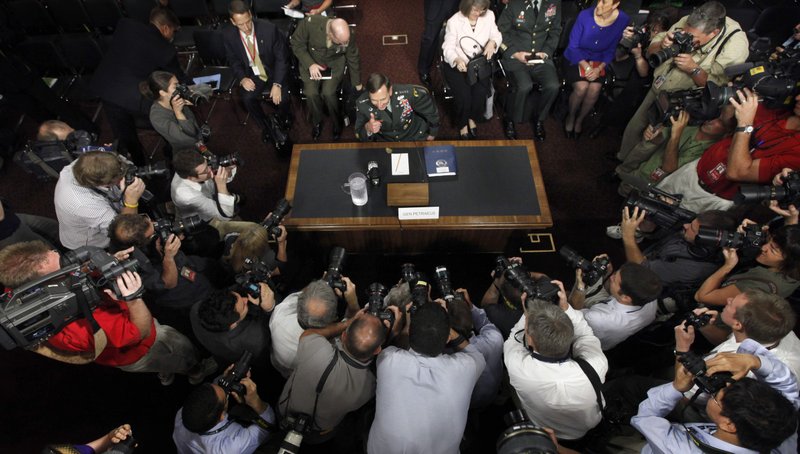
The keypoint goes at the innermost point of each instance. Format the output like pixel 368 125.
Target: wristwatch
pixel 695 72
pixel 748 129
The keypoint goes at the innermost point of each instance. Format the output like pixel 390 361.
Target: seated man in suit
pixel 258 55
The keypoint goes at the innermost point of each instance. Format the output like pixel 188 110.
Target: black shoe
pixel 425 78
pixel 472 133
pixel 463 136
pixel 568 134
pixel 337 130
pixel 510 130
pixel 576 134
pixel 316 131
pixel 538 131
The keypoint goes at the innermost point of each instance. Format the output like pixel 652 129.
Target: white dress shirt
pixel 613 322
pixel 231 436
pixel 558 395
pixel 84 213
pixel 422 402
pixel 192 198
pixel 285 332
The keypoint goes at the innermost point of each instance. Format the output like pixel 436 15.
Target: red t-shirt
pixel 775 146
pixel 125 345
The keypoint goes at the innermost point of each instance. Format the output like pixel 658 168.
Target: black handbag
pixel 479 67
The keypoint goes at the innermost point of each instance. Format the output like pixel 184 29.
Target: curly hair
pixel 787 238
pixel 218 311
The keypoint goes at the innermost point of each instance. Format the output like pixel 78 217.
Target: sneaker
pixel 207 367
pixel 615 232
pixel 166 378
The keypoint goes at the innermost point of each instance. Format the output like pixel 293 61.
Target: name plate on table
pixel 407 214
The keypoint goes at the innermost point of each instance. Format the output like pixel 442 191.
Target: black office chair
pixel 212 59
pixel 447 92
pixel 776 23
pixel 70 15
pixel 83 54
pixel 103 14
pixel 30 17
pixel 347 10
pixel 139 9
pixel 746 17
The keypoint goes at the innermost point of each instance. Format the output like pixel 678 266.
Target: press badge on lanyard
pixel 251 53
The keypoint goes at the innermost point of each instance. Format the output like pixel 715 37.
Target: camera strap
pixel 318 389
pixel 219 207
pixel 594 379
pixel 100 338
pixel 705 447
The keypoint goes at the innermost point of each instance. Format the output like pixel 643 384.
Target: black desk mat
pixel 491 181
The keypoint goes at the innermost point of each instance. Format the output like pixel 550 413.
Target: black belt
pixel 704 186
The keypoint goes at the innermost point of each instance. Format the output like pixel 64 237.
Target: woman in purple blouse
pixel 592 43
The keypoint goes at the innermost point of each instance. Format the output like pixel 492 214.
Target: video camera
pixel 786 194
pixel 30 314
pixel 443 283
pixel 185 92
pixel 333 275
pixel 520 279
pixel 682 43
pixel 662 208
pixel 271 223
pixel 592 271
pixel 228 160
pixel 669 104
pixel 376 294
pixel 696 366
pixel 753 237
pixel 255 272
pixel 231 382
pixel 189 225
pixel 698 321
pixel 45 159
pixel 523 436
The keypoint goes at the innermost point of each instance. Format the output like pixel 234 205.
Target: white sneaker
pixel 615 232
pixel 166 378
pixel 207 367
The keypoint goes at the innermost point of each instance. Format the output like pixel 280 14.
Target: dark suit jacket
pixel 272 48
pixel 136 50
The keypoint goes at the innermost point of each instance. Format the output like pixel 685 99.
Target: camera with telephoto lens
pixel 419 291
pixel 255 272
pixel 408 273
pixel 521 436
pixel 231 382
pixel 698 321
pixel 184 92
pixel 662 208
pixel 333 275
pixel 752 237
pixel 294 437
pixel 272 222
pixel 640 36
pixel 376 294
pixel 80 141
pixel 519 277
pixel 228 160
pixel 682 43
pixel 786 194
pixel 189 225
pixel 696 366
pixel 669 104
pixel 443 283
pixel 592 271
pixel 157 169
pixel 32 313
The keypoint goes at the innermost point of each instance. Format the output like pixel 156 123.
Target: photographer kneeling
pixel 199 190
pixel 169 113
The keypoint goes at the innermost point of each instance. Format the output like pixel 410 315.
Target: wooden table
pixel 498 192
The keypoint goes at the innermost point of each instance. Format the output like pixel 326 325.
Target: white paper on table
pixel 400 164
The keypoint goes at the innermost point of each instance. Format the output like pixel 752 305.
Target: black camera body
pixel 255 272
pixel 694 101
pixel 753 237
pixel 682 43
pixel 376 294
pixel 523 436
pixel 231 382
pixel 294 437
pixel 662 208
pixel 640 36
pixel 408 273
pixel 228 160
pixel 698 321
pixel 786 194
pixel 520 279
pixel 157 169
pixel 189 225
pixel 419 291
pixel 696 366
pixel 32 313
pixel 592 271
pixel 443 283
pixel 333 275
pixel 272 222
pixel 184 92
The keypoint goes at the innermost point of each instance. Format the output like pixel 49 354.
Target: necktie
pixel 536 9
pixel 262 74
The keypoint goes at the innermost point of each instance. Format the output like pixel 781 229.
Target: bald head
pixel 364 337
pixel 53 130
pixel 339 31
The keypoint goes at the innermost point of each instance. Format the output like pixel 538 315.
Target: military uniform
pixel 413 115
pixel 524 31
pixel 310 43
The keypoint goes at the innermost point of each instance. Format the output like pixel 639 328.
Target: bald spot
pixel 340 30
